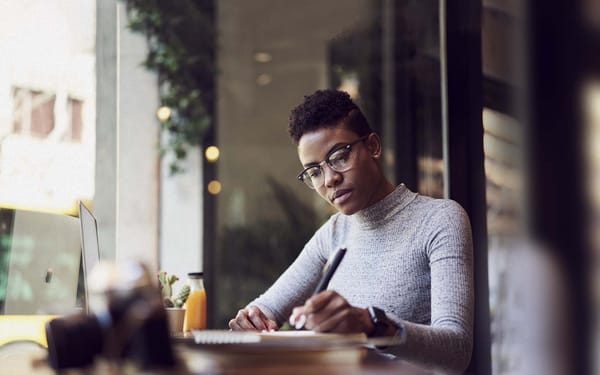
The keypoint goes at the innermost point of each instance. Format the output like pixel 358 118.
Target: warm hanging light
pixel 214 187
pixel 212 153
pixel 262 57
pixel 263 79
pixel 163 113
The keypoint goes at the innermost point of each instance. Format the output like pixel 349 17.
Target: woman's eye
pixel 314 172
pixel 340 156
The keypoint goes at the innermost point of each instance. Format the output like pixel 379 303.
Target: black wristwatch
pixel 380 321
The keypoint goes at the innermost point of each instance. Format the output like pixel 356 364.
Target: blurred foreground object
pixel 126 325
pixel 530 307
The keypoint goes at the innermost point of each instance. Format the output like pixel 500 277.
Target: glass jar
pixel 195 306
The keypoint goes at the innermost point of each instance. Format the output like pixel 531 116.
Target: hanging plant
pixel 181 50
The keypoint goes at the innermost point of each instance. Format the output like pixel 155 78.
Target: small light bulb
pixel 214 187
pixel 163 113
pixel 212 153
pixel 263 57
pixel 264 79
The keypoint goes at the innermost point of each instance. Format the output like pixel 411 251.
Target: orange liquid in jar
pixel 195 311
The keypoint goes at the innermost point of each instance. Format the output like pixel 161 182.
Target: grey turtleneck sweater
pixel 407 254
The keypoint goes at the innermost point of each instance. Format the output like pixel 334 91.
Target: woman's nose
pixel 332 177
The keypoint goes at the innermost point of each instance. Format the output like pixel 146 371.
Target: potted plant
pixel 173 303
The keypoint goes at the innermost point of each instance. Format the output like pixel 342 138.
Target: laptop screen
pixel 39 262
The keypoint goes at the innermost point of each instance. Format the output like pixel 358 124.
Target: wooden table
pixel 28 359
pixel 336 362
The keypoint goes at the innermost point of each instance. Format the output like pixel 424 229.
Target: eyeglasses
pixel 340 159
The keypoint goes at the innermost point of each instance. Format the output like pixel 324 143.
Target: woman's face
pixel 358 187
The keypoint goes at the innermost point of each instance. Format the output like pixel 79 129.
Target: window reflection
pixel 271 54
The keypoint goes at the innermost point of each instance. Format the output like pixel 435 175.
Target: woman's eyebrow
pixel 311 164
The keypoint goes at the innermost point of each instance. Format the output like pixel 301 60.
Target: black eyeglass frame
pixel 347 146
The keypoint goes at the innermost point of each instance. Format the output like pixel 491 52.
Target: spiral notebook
pixel 293 338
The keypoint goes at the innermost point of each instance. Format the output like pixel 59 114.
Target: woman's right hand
pixel 252 319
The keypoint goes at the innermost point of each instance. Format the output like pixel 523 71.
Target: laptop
pixel 90 250
pixel 41 254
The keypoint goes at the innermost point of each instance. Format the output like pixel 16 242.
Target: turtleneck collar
pixel 379 212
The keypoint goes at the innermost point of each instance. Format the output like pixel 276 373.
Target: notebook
pixel 291 339
pixel 225 348
pixel 43 254
pixel 90 250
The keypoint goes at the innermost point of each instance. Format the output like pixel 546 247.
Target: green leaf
pixel 181 50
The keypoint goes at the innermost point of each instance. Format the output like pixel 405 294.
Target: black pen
pixel 326 275
pixel 329 270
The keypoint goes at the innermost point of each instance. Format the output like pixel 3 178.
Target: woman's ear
pixel 374 145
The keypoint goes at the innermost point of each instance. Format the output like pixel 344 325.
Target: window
pixel 271 54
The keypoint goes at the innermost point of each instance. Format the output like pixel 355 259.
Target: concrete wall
pixel 126 202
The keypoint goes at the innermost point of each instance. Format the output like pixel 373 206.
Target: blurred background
pixel 169 119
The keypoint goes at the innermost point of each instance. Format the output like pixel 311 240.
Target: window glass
pixel 271 54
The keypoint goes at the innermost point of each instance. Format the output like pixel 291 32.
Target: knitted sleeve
pixel 447 342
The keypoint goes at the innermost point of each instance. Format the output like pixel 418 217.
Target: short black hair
pixel 326 108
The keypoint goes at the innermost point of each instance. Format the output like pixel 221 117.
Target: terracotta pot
pixel 175 317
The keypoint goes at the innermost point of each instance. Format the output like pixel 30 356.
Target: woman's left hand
pixel 330 312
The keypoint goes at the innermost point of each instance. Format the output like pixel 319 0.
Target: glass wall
pixel 271 54
pixel 504 131
pixel 529 286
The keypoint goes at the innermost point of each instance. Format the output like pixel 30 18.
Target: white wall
pixel 181 217
pixel 126 201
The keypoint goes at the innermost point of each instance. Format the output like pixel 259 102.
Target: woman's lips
pixel 341 196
